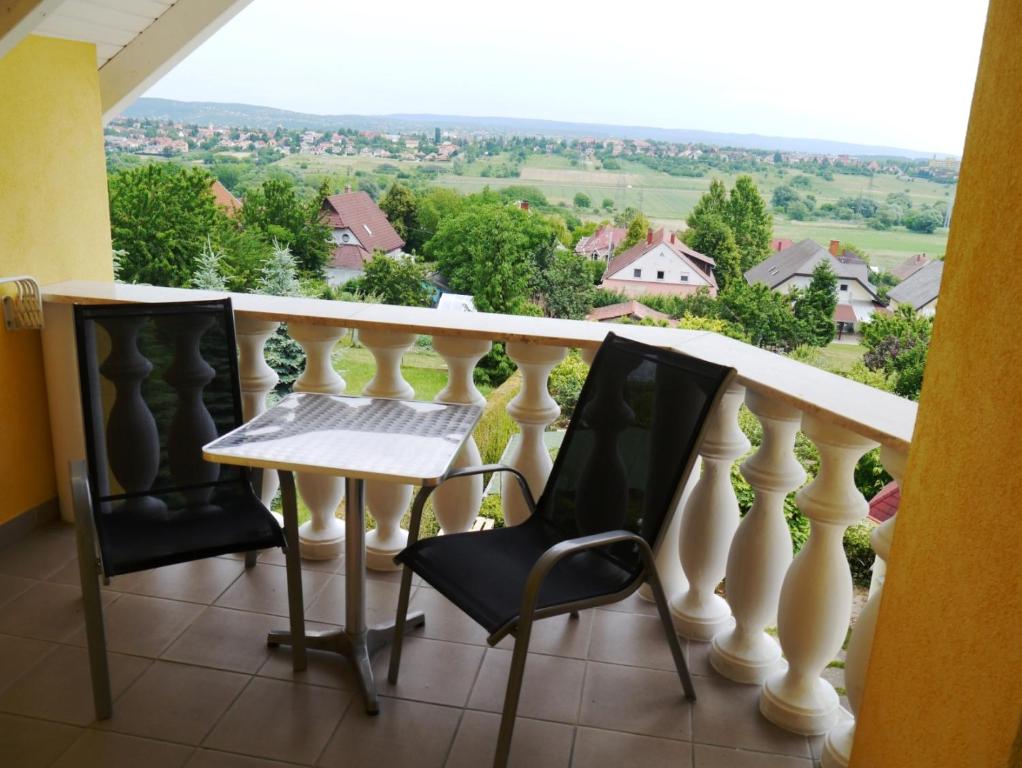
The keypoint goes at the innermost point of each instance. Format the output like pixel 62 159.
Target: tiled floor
pixel 195 684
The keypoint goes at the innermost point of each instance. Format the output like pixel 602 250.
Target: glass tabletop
pixel 406 441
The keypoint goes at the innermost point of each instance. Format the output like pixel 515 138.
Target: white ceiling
pixel 110 24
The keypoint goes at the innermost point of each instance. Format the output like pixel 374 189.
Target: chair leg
pixel 88 574
pixel 399 625
pixel 672 636
pixel 250 558
pixel 514 689
pixel 293 562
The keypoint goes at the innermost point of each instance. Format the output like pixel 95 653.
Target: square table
pixel 358 438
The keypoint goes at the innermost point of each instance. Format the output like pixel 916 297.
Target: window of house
pixel 844 286
pixel 684 278
pixel 659 275
pixel 636 273
pixel 345 237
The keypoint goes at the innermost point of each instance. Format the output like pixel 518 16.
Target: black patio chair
pixel 158 381
pixel 626 456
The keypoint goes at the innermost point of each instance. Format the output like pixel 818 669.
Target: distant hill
pixel 249 116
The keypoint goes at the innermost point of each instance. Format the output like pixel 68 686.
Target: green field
pixel 667 200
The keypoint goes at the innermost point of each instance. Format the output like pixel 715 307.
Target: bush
pixel 566 382
pixel 859 553
pixel 496 426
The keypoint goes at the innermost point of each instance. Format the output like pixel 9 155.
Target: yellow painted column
pixel 54 225
pixel 944 686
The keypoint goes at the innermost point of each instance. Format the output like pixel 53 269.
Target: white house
pixel 660 265
pixel 920 289
pixel 360 229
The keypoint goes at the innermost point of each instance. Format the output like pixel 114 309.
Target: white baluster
pixel 708 524
pixel 322 537
pixel 456 503
pixel 387 501
pixel 837 747
pixel 257 379
pixel 761 549
pixel 816 598
pixel 533 409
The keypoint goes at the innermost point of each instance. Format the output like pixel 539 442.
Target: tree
pixel 161 217
pixel 814 306
pixel 400 206
pixel 432 207
pixel 566 287
pixel 283 354
pixel 582 200
pixel 608 204
pixel 276 211
pixel 715 239
pixel 897 346
pixel 926 220
pixel 400 281
pixel 749 220
pixel 713 203
pixel 638 227
pixel 208 274
pixel 765 315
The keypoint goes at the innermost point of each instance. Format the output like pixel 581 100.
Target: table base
pixel 358 649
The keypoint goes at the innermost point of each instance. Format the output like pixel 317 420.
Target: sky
pixel 889 72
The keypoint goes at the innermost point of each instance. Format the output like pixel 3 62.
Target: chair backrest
pixel 631 443
pixel 158 381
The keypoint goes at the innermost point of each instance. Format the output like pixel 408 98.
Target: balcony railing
pixel 807 598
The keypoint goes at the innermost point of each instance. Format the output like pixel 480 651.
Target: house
pixel 631 310
pixel 661 265
pixel 920 289
pixel 793 268
pixel 360 229
pixel 910 266
pixel 600 245
pixel 225 199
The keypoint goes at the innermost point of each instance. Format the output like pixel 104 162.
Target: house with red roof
pixel 662 264
pixel 225 199
pixel 360 229
pixel 600 245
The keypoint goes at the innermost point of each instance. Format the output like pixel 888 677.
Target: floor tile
pixel 699 658
pixel 722 757
pixel 210 758
pixel 276 556
pixel 559 636
pixel 431 670
pixel 12 586
pixel 175 702
pixel 607 749
pixel 18 655
pixel 39 555
pixel 200 581
pixel 644 701
pixel 59 687
pixel 633 639
pixel 280 721
pixel 47 612
pixel 143 626
pixel 225 639
pixel 97 749
pixel 632 604
pixel 444 620
pixel 381 602
pixel 404 733
pixel 263 589
pixel 551 690
pixel 535 743
pixel 727 714
pixel 28 743
pixel 323 668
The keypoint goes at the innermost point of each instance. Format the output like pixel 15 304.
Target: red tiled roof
pixel 780 243
pixel 635 309
pixel 660 237
pixel 843 313
pixel 602 239
pixel 349 257
pixel 224 198
pixel 357 211
pixel 883 506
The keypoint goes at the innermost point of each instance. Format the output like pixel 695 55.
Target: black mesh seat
pixel 624 459
pixel 158 381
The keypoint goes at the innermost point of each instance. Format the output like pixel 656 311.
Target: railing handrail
pixel 867 411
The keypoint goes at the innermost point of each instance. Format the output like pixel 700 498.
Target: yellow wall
pixel 54 225
pixel 944 686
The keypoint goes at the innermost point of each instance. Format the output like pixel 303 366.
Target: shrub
pixel 859 553
pixel 496 426
pixel 566 381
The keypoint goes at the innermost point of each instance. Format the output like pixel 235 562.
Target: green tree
pixel 763 314
pixel 712 203
pixel 433 206
pixel 566 287
pixel 638 228
pixel 400 281
pixel 276 211
pixel 752 225
pixel 814 306
pixel 582 200
pixel 608 204
pixel 283 354
pixel 161 217
pixel 208 273
pixel 714 238
pixel 400 206
pixel 926 220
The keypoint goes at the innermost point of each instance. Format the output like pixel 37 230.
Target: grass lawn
pixel 840 357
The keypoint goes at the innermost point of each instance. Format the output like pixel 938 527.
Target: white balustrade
pixel 257 380
pixel 387 501
pixel 816 597
pixel 533 409
pixel 708 524
pixel 837 747
pixel 322 537
pixel 761 549
pixel 456 503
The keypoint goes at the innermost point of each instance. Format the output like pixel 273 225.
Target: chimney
pixel 347 189
pixel 524 205
pixel 835 247
pixel 672 238
pixel 649 236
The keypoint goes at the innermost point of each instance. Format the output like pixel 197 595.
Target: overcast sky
pixel 892 72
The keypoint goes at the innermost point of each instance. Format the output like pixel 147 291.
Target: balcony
pixel 193 677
